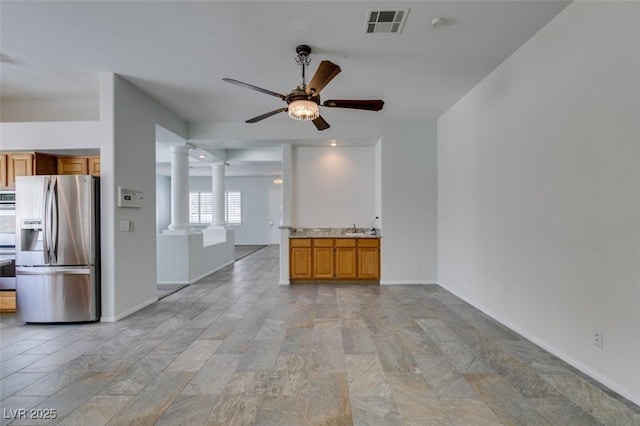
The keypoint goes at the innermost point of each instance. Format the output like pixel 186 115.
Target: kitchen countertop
pixel 331 233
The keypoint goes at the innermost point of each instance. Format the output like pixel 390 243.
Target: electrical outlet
pixel 597 339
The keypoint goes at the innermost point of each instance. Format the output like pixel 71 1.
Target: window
pixel 233 210
pixel 201 208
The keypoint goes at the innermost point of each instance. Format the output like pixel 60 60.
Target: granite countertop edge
pixel 334 236
pixel 330 233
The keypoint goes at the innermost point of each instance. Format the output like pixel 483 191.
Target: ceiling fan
pixel 304 100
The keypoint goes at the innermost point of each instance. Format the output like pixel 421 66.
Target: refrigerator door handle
pixel 26 270
pixel 46 238
pixel 54 220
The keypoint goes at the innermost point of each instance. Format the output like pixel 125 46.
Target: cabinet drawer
pixel 345 242
pixel 300 242
pixel 368 242
pixel 323 242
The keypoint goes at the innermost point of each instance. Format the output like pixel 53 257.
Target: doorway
pixel 275 215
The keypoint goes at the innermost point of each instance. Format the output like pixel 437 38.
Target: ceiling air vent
pixel 386 21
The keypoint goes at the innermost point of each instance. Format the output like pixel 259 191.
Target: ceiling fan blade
pixel 320 123
pixel 266 115
pixel 324 74
pixel 369 105
pixel 252 87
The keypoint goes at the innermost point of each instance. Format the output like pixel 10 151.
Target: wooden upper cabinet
pixel 14 164
pixel 3 170
pixel 18 165
pixel 79 166
pixel 28 164
pixel 72 166
pixel 93 164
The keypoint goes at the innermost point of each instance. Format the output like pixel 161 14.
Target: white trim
pixel 406 282
pixel 285 283
pixel 129 311
pixel 550 348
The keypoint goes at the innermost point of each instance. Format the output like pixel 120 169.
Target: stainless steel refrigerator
pixel 57 249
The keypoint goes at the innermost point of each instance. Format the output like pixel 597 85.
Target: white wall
pixel 539 191
pixel 163 203
pixel 50 110
pixel 409 203
pixel 334 187
pixel 135 116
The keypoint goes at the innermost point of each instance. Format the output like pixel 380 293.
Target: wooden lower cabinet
pixel 369 263
pixel 346 259
pixel 334 259
pixel 7 301
pixel 323 258
pixel 300 259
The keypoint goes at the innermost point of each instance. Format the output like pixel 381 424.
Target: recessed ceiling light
pixel 334 143
pixel 202 156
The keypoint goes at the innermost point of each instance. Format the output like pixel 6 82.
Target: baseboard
pixel 172 282
pixel 550 348
pixel 406 282
pixel 129 311
pixel 284 283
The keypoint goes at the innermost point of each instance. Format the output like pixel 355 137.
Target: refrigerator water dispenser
pixel 31 235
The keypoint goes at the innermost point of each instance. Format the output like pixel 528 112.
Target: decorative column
pixel 179 189
pixel 217 194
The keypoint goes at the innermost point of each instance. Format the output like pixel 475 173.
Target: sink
pixel 355 234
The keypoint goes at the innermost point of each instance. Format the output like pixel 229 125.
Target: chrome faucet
pixel 354 228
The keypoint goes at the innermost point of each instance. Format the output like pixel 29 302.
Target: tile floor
pixel 238 349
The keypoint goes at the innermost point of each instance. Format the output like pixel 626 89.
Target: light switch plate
pixel 125 226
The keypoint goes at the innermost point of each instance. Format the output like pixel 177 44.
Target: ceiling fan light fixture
pixel 303 110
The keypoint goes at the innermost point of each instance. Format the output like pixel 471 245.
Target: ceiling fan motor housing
pixel 299 94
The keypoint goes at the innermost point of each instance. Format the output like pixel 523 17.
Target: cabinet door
pixel 72 166
pixel 369 263
pixel 300 259
pixel 44 164
pixel 94 166
pixel 346 263
pixel 323 262
pixel 18 165
pixel 3 170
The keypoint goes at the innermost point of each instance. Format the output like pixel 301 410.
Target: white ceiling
pixel 179 51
